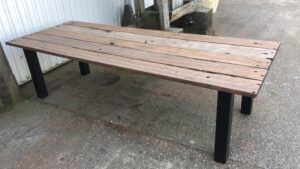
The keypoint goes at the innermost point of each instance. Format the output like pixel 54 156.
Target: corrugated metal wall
pixel 21 17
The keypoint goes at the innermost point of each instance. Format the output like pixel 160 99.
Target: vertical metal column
pixel 247 104
pixel 84 68
pixel 36 73
pixel 223 126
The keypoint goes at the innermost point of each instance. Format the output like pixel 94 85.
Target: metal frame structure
pixel 225 104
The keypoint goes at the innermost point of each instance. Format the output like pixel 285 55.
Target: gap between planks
pixel 246 87
pixel 173 60
pixel 202 38
pixel 201 55
pixel 185 44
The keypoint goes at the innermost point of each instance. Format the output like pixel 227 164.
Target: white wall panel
pixel 175 4
pixel 149 3
pixel 22 17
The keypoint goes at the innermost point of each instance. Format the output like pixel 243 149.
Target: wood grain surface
pixel 233 65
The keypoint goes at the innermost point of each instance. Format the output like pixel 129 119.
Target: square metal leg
pixel 247 104
pixel 223 126
pixel 84 68
pixel 36 73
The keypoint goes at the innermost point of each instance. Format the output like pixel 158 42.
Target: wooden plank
pixel 183 62
pixel 139 7
pixel 236 85
pixel 199 55
pixel 183 36
pixel 178 43
pixel 164 18
pixel 183 10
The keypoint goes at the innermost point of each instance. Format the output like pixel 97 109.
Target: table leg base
pixel 84 68
pixel 36 73
pixel 223 126
pixel 247 104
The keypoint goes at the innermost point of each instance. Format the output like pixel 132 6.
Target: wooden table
pixel 228 65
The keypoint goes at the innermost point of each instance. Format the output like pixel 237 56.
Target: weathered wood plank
pixel 246 87
pixel 183 62
pixel 183 10
pixel 178 43
pixel 183 36
pixel 238 69
pixel 199 55
pixel 164 14
pixel 139 7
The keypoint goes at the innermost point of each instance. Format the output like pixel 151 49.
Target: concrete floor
pixel 116 119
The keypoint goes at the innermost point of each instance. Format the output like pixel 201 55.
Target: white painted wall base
pixel 22 17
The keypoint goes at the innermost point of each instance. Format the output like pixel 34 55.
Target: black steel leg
pixel 247 104
pixel 223 126
pixel 84 68
pixel 36 73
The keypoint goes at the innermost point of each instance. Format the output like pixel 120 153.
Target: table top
pixel 232 65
